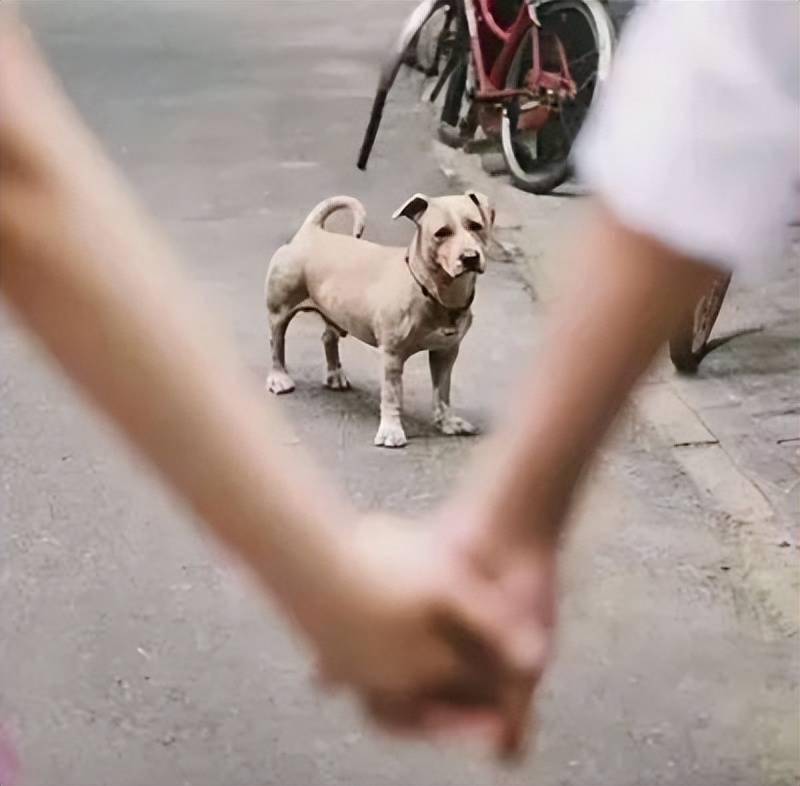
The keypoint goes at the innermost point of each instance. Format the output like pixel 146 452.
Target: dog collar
pixel 455 312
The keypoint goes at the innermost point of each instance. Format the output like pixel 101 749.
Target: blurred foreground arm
pixel 681 176
pixel 626 295
pixel 93 280
pixel 90 277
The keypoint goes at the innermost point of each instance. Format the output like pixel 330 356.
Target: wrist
pixel 521 562
pixel 518 493
pixel 532 520
pixel 491 535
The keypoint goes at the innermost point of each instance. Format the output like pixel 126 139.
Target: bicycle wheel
pixel 690 343
pixel 538 158
pixel 430 48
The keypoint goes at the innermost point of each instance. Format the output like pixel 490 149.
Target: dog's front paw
pixel 454 426
pixel 279 382
pixel 390 435
pixel 337 380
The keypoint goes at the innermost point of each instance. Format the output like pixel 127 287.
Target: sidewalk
pixel 734 429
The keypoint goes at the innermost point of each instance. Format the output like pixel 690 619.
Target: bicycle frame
pixel 544 88
pixel 480 19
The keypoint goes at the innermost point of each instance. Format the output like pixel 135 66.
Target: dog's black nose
pixel 471 260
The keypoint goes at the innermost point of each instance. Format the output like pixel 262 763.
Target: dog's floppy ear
pixel 412 208
pixel 484 205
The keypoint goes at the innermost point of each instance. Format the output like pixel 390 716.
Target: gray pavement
pixel 132 652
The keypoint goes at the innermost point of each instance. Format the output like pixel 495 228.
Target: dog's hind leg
pixel 285 293
pixel 335 378
pixel 278 379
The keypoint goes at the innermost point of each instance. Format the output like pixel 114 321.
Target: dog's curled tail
pixel 320 214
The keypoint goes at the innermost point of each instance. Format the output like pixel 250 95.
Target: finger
pixel 527 649
pixel 469 689
pixel 424 718
pixel 511 741
pixel 443 720
pixel 488 635
pixel 512 655
pixel 471 622
pixel 463 703
pixel 398 715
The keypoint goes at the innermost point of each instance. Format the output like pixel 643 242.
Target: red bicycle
pixel 523 72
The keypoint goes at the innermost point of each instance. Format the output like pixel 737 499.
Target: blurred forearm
pixel 625 297
pixel 94 281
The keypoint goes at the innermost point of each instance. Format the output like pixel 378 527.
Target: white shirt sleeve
pixel 695 140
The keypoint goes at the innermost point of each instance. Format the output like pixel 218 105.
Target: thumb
pixel 515 711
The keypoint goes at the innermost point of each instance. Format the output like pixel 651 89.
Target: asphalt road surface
pixel 133 652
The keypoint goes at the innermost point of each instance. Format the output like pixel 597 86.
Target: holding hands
pixel 439 634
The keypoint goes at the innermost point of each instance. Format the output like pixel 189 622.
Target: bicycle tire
pixel 426 51
pixel 690 341
pixel 542 178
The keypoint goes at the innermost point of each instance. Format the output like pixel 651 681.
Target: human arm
pixel 680 177
pixel 626 293
pixel 87 273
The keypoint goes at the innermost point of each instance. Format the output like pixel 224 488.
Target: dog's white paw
pixel 279 382
pixel 454 426
pixel 390 435
pixel 337 380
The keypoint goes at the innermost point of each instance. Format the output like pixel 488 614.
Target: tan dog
pixel 400 300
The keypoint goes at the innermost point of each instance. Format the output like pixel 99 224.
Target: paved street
pixel 133 652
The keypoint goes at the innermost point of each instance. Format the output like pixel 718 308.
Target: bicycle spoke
pixel 570 130
pixel 454 61
pixel 585 83
pixel 580 58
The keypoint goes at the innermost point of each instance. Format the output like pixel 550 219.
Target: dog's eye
pixel 444 232
pixel 474 226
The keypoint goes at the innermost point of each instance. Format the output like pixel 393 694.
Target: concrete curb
pixel 529 230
